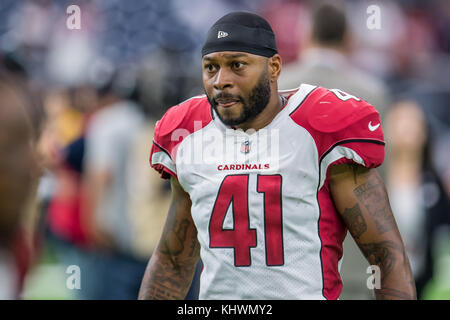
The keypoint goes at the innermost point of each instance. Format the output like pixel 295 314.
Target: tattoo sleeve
pixel 171 268
pixel 373 196
pixel 355 221
pixel 382 254
pixel 361 198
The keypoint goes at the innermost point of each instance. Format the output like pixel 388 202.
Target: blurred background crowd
pixel 78 109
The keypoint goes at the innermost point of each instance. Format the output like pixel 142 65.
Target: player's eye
pixel 238 65
pixel 210 67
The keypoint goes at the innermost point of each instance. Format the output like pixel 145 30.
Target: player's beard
pixel 255 103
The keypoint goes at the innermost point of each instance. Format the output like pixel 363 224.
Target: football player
pixel 265 184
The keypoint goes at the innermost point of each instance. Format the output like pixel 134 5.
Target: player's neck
pixel 274 106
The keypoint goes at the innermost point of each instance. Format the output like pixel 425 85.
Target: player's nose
pixel 223 79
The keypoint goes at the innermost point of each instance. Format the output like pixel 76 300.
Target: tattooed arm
pixel 360 197
pixel 171 268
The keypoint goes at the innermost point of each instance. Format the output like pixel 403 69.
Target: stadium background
pixel 149 52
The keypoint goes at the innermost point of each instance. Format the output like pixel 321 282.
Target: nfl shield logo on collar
pixel 245 146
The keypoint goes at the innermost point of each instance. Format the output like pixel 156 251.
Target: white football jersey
pixel 266 222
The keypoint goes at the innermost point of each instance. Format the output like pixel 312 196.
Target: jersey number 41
pixel 234 191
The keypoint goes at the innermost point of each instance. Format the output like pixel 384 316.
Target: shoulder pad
pixel 334 110
pixel 189 115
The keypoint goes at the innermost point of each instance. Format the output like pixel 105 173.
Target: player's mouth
pixel 226 103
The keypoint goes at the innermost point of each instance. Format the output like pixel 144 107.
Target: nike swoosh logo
pixel 373 128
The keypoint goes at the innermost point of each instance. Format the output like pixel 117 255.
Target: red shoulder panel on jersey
pixel 334 117
pixel 335 110
pixel 176 124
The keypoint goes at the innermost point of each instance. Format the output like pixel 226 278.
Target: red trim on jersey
pixel 332 232
pixel 164 171
pixel 287 100
pixel 370 151
pixel 176 124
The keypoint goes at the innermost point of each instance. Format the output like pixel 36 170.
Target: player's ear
pixel 274 67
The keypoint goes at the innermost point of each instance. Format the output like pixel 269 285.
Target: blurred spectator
pixel 31 25
pixel 441 16
pixel 291 24
pixel 62 144
pixel 120 218
pixel 378 50
pixel 72 52
pixel 325 63
pixel 404 176
pixel 18 173
pixel 417 179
